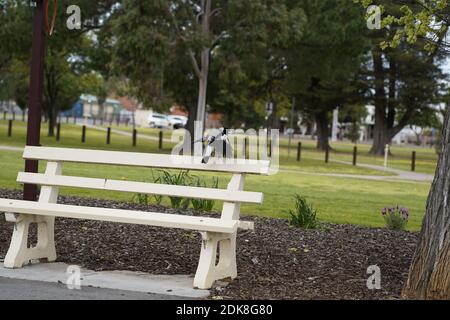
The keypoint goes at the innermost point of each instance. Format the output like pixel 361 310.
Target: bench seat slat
pixel 143 160
pixel 141 187
pixel 119 215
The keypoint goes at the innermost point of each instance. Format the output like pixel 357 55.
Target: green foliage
pixel 245 39
pixel 158 198
pixel 303 215
pixel 142 199
pixel 396 218
pixel 415 20
pixel 181 178
pixel 66 74
pixel 201 204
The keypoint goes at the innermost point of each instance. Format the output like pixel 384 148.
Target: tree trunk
pixel 275 121
pixel 323 131
pixel 204 67
pixel 51 122
pixel 380 133
pixel 201 106
pixel 429 274
pixel 381 136
pixel 190 126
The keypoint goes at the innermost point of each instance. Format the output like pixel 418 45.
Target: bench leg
pixel 19 253
pixel 208 271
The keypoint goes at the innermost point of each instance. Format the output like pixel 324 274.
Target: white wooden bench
pixel 217 233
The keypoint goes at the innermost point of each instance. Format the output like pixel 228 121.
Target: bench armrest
pixel 246 225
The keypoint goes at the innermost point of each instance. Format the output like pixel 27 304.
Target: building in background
pixel 88 107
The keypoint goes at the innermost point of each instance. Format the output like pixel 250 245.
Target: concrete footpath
pixel 53 281
pixel 17 289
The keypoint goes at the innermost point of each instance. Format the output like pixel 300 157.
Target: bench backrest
pixel 53 178
pixel 145 160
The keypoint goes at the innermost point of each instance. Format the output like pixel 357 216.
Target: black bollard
pixel 83 134
pixel 134 137
pixel 413 161
pixel 10 122
pixel 58 131
pixel 108 136
pixel 355 154
pixel 299 151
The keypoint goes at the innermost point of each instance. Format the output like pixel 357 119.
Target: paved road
pixel 15 289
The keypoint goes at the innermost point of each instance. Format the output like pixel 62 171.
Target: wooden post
pixel 134 137
pixel 108 135
pixel 10 122
pixel 270 147
pixel 299 151
pixel 160 140
pixel 35 94
pixel 413 161
pixel 246 148
pixel 58 131
pixel 83 134
pixel 355 154
pixel 327 154
pixel 4 115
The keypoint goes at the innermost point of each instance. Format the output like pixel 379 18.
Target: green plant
pixel 303 215
pixel 180 178
pixel 158 198
pixel 142 199
pixel 396 218
pixel 201 204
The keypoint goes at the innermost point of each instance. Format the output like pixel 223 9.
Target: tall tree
pixel 324 66
pixel 66 55
pixel 404 79
pixel 182 39
pixel 429 274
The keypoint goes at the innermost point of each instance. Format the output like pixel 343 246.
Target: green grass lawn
pixel 339 200
pixel 426 158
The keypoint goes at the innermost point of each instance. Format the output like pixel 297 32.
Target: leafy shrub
pixel 303 215
pixel 177 179
pixel 182 178
pixel 201 204
pixel 142 199
pixel 158 198
pixel 395 218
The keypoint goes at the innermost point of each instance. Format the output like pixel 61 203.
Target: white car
pixel 157 120
pixel 177 122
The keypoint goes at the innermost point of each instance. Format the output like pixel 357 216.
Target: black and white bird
pixel 219 145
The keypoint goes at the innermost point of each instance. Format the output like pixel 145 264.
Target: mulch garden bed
pixel 275 261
